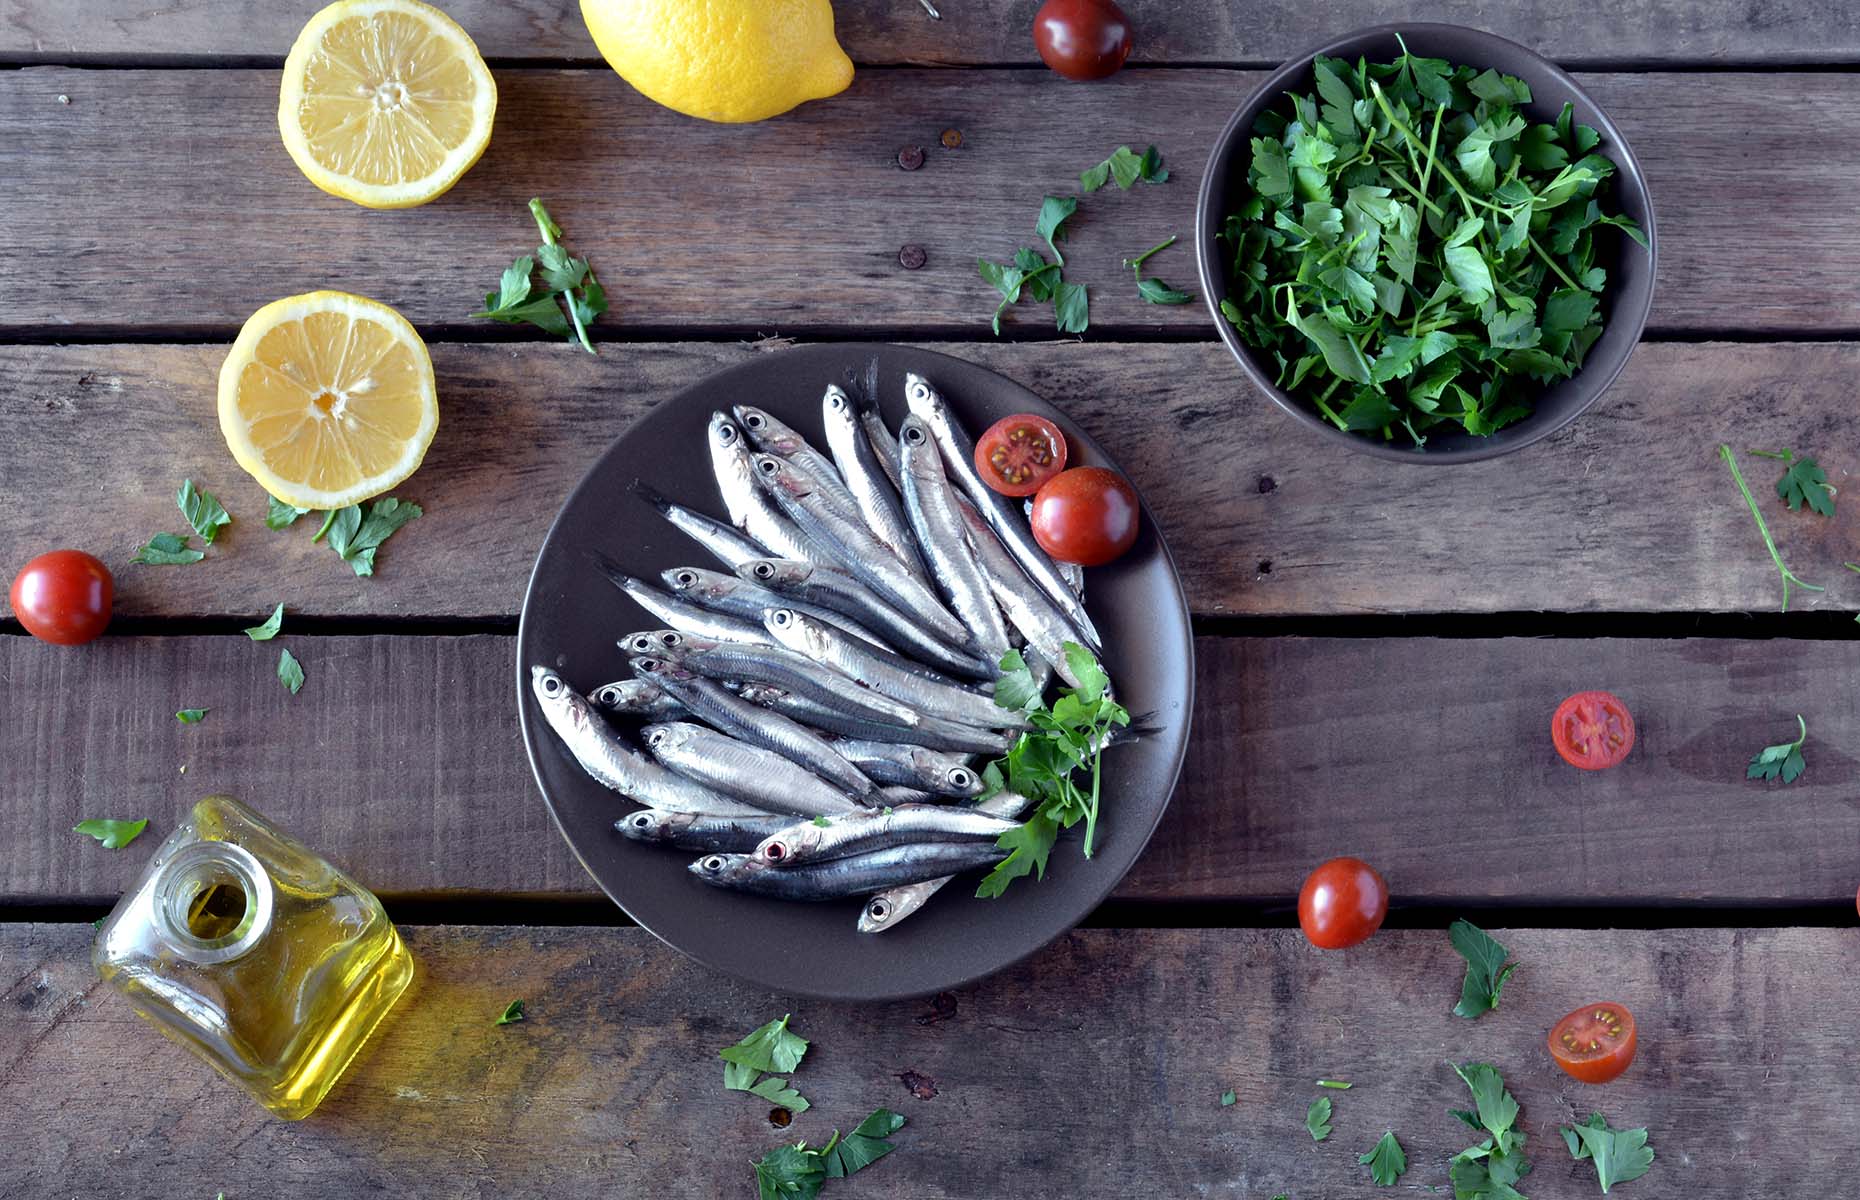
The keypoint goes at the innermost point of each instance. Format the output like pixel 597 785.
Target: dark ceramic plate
pixel 572 616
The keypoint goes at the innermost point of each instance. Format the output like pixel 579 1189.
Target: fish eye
pixel 712 862
pixel 879 909
pixel 608 695
pixel 914 436
pixel 780 616
pixel 670 639
pixel 685 578
pixel 775 851
pixel 647 664
pixel 639 821
pixel 960 776
pixel 753 419
pixel 766 466
pixel 836 401
pixel 762 570
pixel 551 685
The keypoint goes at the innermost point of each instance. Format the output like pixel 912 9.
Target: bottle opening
pixel 216 911
pixel 214 901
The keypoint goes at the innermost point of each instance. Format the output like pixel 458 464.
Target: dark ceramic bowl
pixel 1625 301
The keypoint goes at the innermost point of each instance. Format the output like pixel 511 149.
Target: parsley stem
pixel 1136 263
pixel 1785 456
pixel 1788 576
pixel 1560 272
pixel 329 518
pixel 550 232
pixel 1854 567
pixel 1091 809
pixel 1433 159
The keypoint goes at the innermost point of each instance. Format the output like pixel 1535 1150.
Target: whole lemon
pixel 722 60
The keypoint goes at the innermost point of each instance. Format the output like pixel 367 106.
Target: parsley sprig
pixel 796 1172
pixel 1763 528
pixel 1488 1170
pixel 1486 969
pixel 1803 482
pixel 759 1062
pixel 1066 738
pixel 1030 273
pixel 1155 291
pixel 568 285
pixel 1619 1154
pixel 1125 167
pixel 1783 761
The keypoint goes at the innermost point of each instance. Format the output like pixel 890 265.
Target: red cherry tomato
pixel 1592 730
pixel 1342 903
pixel 1082 39
pixel 1019 453
pixel 1596 1043
pixel 1086 515
pixel 63 597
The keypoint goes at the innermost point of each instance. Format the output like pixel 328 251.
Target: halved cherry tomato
pixel 1592 730
pixel 63 597
pixel 1019 453
pixel 1342 903
pixel 1087 515
pixel 1594 1044
pixel 1082 39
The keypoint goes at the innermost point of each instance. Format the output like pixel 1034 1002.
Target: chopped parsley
pixel 269 629
pixel 758 1063
pixel 1317 1119
pixel 1619 1154
pixel 1486 969
pixel 513 1012
pixel 1783 761
pixel 1385 1160
pixel 112 833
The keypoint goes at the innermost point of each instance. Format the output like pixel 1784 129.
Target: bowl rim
pixel 1214 283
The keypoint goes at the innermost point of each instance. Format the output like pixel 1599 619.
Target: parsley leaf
pixel 513 1012
pixel 1486 971
pixel 1763 528
pixel 358 530
pixel 1488 1170
pixel 796 1172
pixel 1385 1160
pixel 571 296
pixel 1072 308
pixel 191 716
pixel 281 514
pixel 112 833
pixel 864 1146
pixel 1804 481
pixel 1054 211
pixel 206 514
pixel 1317 1119
pixel 167 550
pixel 1619 1154
pixel 269 629
pixel 1155 291
pixel 1783 761
pixel 1229 1099
pixel 1125 167
pixel 773 1047
pixel 790 1173
pixel 290 671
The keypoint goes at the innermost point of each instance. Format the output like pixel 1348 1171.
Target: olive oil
pixel 254 953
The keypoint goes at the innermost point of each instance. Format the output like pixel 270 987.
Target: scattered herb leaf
pixel 1229 1099
pixel 290 671
pixel 1486 971
pixel 865 1145
pixel 1803 482
pixel 1339 1084
pixel 1619 1154
pixel 1126 168
pixel 773 1047
pixel 112 833
pixel 190 716
pixel 356 532
pixel 1317 1119
pixel 1155 291
pixel 280 514
pixel 167 550
pixel 1385 1160
pixel 1788 576
pixel 790 1173
pixel 1488 1170
pixel 796 1172
pixel 268 630
pixel 202 511
pixel 1783 761
pixel 513 1012
pixel 569 287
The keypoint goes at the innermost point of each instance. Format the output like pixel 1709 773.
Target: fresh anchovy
pixel 636 698
pixel 746 501
pixel 752 774
pixel 772 437
pixel 724 541
pixel 959 460
pixel 819 586
pixel 850 876
pixel 929 732
pixel 913 766
pixel 1040 669
pixel 931 504
pixel 778 665
pixel 1072 573
pixel 754 724
pixel 873 829
pixel 856 549
pixel 747 600
pixel 613 763
pixel 894 793
pixel 826 645
pixel 1046 629
pixel 888 908
pixel 689 831
pixel 865 479
pixel 682 614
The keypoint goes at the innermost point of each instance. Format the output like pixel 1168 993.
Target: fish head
pixel 646 825
pixel 616 696
pixel 766 432
pixel 778 848
pixel 559 701
pixel 923 399
pixel 962 780
pixel 656 670
pixel 836 405
pixel 795 631
pixel 659 735
pixel 888 908
pixel 729 449
pixel 770 572
pixel 777 472
pixel 917 447
pixel 722 868
pixel 654 643
pixel 697 582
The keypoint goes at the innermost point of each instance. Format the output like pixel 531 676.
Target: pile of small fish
pixel 816 712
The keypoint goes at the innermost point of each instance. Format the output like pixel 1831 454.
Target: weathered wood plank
pixel 803 229
pixel 974 31
pixel 1629 510
pixel 401 760
pixel 611 1086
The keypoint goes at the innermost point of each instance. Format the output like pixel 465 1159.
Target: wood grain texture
pixel 1097 1062
pixel 797 224
pixel 400 759
pixel 993 31
pixel 1628 510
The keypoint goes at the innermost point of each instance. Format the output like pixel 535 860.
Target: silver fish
pixel 928 732
pixel 612 763
pixel 746 501
pixel 819 586
pixel 865 479
pixel 894 793
pixel 744 598
pixel 689 831
pixel 679 613
pixel 1046 629
pixel 959 459
pixel 931 503
pixel 729 545
pixel 854 548
pixel 889 908
pixel 935 771
pixel 826 645
pixel 757 776
pixel 636 698
pixel 873 829
pixel 772 437
pixel 778 665
pixel 754 724
pixel 851 876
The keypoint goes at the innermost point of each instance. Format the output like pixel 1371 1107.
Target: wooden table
pixel 1379 646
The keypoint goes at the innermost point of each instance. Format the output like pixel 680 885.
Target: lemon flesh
pixel 327 399
pixel 385 102
pixel 722 60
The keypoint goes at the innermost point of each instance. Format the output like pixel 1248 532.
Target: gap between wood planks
pixel 1631 65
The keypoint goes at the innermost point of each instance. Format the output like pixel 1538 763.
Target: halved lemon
pixel 327 399
pixel 385 102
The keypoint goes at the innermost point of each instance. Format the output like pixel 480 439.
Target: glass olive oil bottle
pixel 255 954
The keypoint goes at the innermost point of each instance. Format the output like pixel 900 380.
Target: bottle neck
pixel 213 902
